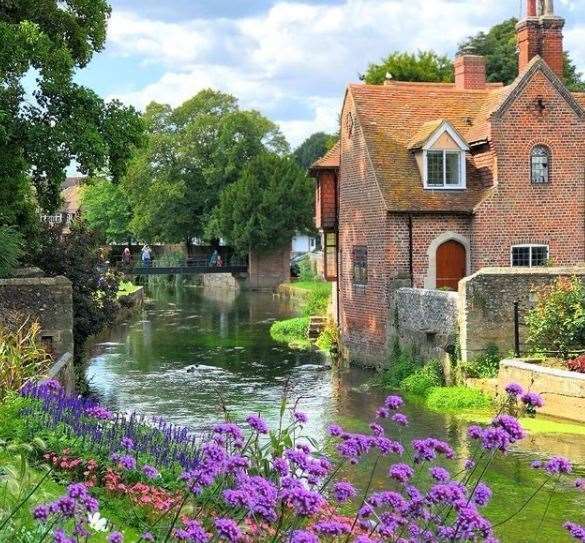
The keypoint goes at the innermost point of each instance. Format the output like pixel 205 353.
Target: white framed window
pixel 529 256
pixel 445 169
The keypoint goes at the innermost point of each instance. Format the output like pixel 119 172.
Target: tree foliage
pixel 78 257
pixel 105 209
pixel 44 128
pixel 11 249
pixel 193 152
pixel 420 66
pixel 313 148
pixel 271 201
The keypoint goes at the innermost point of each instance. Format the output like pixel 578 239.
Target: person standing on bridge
pixel 214 259
pixel 126 257
pixel 146 256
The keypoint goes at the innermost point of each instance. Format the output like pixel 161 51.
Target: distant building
pixel 71 197
pixel 432 182
pixel 303 244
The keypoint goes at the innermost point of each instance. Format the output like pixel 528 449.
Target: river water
pixel 192 350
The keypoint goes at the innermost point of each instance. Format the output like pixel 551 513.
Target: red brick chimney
pixel 470 72
pixel 541 33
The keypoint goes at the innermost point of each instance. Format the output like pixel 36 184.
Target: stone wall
pixel 487 305
pixel 222 281
pixel 48 300
pixel 425 322
pixel 563 391
pixel 266 271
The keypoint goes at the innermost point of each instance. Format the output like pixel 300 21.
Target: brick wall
pixel 325 200
pixel 266 271
pixel 519 212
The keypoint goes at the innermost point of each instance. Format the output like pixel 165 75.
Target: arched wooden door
pixel 451 264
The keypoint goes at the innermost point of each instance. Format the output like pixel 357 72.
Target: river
pixel 191 350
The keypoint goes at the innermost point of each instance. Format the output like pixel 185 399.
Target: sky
pixel 290 59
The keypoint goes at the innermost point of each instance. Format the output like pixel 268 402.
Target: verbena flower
pixel 301 536
pixel 400 419
pixel 576 531
pixel 332 528
pixel 127 443
pixel 343 491
pixel 532 399
pixel 482 495
pixel 115 537
pixel 301 417
pixel 150 472
pixel 558 465
pixel 257 423
pixel 514 390
pixel 393 402
pixel 401 472
pixel 440 474
pixel 228 530
pixel 127 462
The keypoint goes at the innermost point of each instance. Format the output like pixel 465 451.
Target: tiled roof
pixel 393 116
pixel 330 160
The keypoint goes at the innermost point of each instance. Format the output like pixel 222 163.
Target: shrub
pixel 329 338
pixel 306 270
pixel 293 332
pixel 423 379
pixel 485 366
pixel 456 398
pixel 556 325
pixel 77 256
pixel 578 364
pixel 11 250
pixel 401 365
pixel 22 356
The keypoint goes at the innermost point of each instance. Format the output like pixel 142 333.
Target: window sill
pixel 459 188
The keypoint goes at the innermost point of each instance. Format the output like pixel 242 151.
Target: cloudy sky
pixel 289 59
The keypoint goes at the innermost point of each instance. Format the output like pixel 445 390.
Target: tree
pixel 421 66
pixel 271 201
pixel 59 121
pixel 192 154
pixel 499 47
pixel 11 252
pixel 105 209
pixel 313 148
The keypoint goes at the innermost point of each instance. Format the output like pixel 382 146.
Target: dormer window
pixel 441 155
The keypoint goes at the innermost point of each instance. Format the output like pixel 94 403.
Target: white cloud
pixel 297 53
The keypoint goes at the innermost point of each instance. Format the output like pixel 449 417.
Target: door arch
pixel 451 264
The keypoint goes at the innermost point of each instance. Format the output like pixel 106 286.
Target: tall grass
pixel 11 244
pixel 22 356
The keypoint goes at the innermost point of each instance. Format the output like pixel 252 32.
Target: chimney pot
pixel 470 72
pixel 531 8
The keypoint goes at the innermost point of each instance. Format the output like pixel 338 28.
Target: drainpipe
pixel 337 247
pixel 410 250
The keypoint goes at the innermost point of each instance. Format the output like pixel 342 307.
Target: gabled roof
pixel 329 161
pixel 431 131
pixel 398 117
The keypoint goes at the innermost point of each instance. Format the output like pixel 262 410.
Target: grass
pixel 311 286
pixel 456 399
pixel 293 332
pixel 126 288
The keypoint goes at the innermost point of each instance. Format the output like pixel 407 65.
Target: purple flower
pixel 115 537
pixel 401 472
pixel 230 430
pixel 127 443
pixel 482 495
pixel 192 533
pixel 514 390
pixel 99 412
pixel 147 537
pixel 474 432
pixel 257 423
pixel 440 474
pixel 52 385
pixel 511 426
pixel 301 536
pixel 558 465
pixel 469 464
pixel 343 491
pixel 377 430
pixel 532 399
pixel 301 417
pixel 382 413
pixel 331 528
pixel 60 537
pixel 576 531
pixel 41 513
pixel 76 490
pixel 400 419
pixel 580 483
pixel 536 464
pixel 306 503
pixel 150 472
pixel 228 530
pixel 393 402
pixel 127 462
pixel 335 430
pixel 281 466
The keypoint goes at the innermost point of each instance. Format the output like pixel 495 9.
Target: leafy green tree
pixel 271 201
pixel 499 46
pixel 420 66
pixel 105 209
pixel 313 148
pixel 11 250
pixel 193 152
pixel 59 121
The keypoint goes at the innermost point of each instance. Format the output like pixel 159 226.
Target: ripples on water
pixel 192 346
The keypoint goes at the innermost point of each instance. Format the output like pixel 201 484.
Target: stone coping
pixel 433 293
pixel 58 366
pixel 563 271
pixel 536 368
pixel 34 281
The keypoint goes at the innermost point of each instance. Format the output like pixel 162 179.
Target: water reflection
pixel 190 347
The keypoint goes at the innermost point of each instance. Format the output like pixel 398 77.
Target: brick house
pixel 432 182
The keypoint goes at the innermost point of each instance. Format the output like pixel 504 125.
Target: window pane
pixel 521 256
pixel 435 168
pixel 453 170
pixel 539 256
pixel 540 165
pixel 360 265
